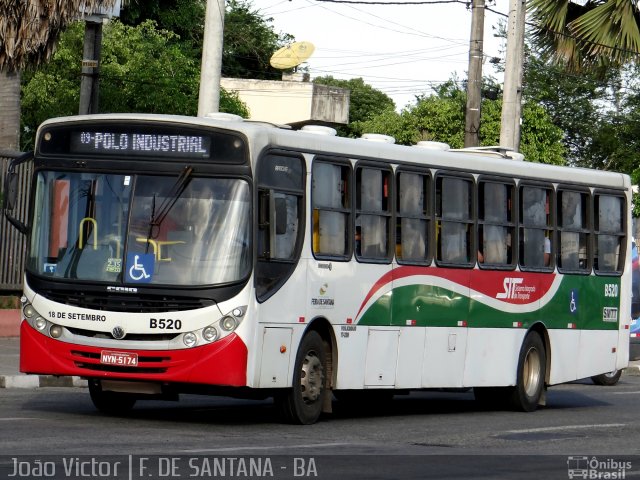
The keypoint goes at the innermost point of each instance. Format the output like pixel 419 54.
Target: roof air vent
pixel 225 117
pixel 377 137
pixel 320 130
pixel 433 145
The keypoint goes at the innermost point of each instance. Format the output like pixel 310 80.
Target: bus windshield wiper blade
pixel 170 199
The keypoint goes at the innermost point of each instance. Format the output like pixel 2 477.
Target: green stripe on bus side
pixel 430 306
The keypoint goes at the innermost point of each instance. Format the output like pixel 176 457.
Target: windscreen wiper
pixel 170 200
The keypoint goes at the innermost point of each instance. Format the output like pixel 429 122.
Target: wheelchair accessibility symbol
pixel 573 304
pixel 140 267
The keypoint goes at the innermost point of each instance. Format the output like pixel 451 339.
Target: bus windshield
pixel 162 230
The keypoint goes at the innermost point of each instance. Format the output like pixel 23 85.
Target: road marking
pixel 12 419
pixel 281 447
pixel 626 393
pixel 569 427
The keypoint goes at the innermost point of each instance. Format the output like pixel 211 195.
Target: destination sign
pixel 132 143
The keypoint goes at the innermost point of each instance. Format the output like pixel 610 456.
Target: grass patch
pixel 9 302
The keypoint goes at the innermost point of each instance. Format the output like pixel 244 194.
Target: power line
pixel 363 2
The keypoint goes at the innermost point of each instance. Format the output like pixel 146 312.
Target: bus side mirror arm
pixel 21 227
pixel 10 196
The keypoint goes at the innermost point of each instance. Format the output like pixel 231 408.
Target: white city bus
pixel 173 255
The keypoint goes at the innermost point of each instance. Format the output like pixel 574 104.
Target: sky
pixel 402 50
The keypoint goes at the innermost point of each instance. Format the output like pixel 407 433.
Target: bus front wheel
pixel 111 403
pixel 530 375
pixel 302 404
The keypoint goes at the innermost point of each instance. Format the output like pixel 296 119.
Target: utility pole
pixel 89 83
pixel 474 81
pixel 211 66
pixel 522 13
pixel 512 97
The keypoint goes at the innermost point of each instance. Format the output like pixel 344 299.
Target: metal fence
pixel 12 243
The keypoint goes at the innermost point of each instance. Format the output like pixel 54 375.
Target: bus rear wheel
pixel 607 379
pixel 302 404
pixel 110 403
pixel 531 374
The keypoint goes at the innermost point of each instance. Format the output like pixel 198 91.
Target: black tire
pixel 532 362
pixel 607 379
pixel 302 404
pixel 110 403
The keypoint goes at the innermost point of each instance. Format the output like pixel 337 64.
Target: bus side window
pixel 609 230
pixel 573 230
pixel 331 209
pixel 373 214
pixel 496 229
pixel 536 242
pixel 413 217
pixel 454 220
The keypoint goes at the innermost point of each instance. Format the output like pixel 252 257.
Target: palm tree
pixel 28 34
pixel 588 34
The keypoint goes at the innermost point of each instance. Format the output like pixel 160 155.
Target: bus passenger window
pixel 372 214
pixel 573 230
pixel 331 209
pixel 535 228
pixel 496 228
pixel 454 220
pixel 609 229
pixel 413 221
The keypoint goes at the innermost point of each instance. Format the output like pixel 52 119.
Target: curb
pixel 40 381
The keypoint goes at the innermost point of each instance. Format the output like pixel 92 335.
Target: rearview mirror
pixel 11 191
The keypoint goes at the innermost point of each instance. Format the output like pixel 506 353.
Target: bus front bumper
pixel 221 363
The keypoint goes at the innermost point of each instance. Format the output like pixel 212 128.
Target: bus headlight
pixel 29 311
pixel 40 323
pixel 190 339
pixel 55 331
pixel 210 334
pixel 229 323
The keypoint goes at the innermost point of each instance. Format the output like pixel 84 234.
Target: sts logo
pixel 510 285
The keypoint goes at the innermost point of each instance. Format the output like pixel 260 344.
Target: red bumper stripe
pixel 219 363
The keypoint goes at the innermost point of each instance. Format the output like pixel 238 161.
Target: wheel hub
pixel 311 378
pixel 531 372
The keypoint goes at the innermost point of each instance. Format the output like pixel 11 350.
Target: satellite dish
pixel 292 55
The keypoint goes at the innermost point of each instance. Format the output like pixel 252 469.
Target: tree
pixel 28 34
pixel 249 39
pixel 577 103
pixel 440 117
pixel 143 69
pixel 365 102
pixel 249 42
pixel 587 34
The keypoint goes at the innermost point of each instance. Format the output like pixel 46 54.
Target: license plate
pixel 122 359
